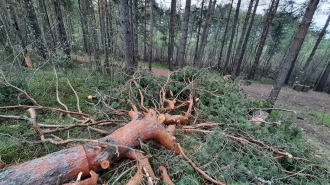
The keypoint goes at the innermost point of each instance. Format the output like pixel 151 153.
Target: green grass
pixel 324 118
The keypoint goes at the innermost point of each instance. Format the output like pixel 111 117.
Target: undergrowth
pixel 221 101
pixel 324 118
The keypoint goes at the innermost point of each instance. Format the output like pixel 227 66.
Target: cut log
pixel 68 163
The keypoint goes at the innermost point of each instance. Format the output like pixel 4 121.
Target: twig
pixel 57 96
pixel 21 90
pixel 287 110
pixel 75 93
pixel 203 173
pixel 47 108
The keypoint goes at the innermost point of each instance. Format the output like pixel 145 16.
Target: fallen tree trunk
pixel 64 166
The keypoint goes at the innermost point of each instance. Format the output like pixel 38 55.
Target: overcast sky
pixel 319 18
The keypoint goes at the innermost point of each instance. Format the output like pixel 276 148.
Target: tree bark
pixel 228 56
pixel 151 32
pixel 127 34
pixel 240 42
pixel 224 38
pixel 35 27
pixel 61 28
pixel 66 164
pixel 205 33
pixel 294 50
pixel 182 51
pixel 83 22
pixel 49 36
pixel 171 35
pixel 323 80
pixel 200 20
pixel 310 58
pixel 102 24
pixel 265 30
pixel 145 32
pixel 135 22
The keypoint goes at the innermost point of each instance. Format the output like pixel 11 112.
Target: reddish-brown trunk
pixel 66 164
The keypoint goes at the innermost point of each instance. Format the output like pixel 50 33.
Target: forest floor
pixel 305 104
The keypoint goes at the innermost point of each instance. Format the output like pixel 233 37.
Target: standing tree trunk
pixel 83 22
pixel 181 54
pixel 323 80
pixel 49 36
pixel 35 27
pixel 93 28
pixel 224 38
pixel 247 38
pixel 200 20
pixel 265 30
pixel 318 41
pixel 171 35
pixel 14 22
pixel 127 34
pixel 232 36
pixel 135 21
pixel 61 28
pixel 206 28
pixel 294 50
pixel 151 31
pixel 145 32
pixel 102 24
pixel 240 42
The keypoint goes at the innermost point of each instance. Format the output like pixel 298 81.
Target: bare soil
pixel 304 103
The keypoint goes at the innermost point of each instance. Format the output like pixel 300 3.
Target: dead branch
pixel 47 108
pixel 165 176
pixel 203 173
pixel 144 169
pixel 21 90
pixel 92 180
pixel 180 119
pixel 286 110
pixel 57 96
pixel 75 93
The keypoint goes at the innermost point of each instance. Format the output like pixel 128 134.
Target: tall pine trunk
pixel 35 27
pixel 224 38
pixel 206 28
pixel 323 80
pixel 151 32
pixel 61 28
pixel 171 35
pixel 182 51
pixel 241 39
pixel 228 56
pixel 294 50
pixel 200 20
pixel 49 36
pixel 302 72
pixel 262 41
pixel 127 34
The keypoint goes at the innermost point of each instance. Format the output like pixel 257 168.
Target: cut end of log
pixel 161 118
pixel 90 97
pixel 105 164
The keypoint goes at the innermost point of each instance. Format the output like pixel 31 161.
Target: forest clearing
pixel 155 92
